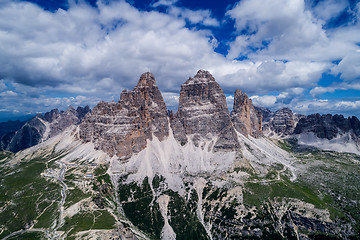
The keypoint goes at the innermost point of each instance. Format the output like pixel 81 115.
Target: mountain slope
pixel 209 203
pixel 7 131
pixel 40 128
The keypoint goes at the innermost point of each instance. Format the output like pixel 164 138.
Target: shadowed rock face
pixel 203 113
pixel 7 132
pixel 29 135
pixel 246 119
pixel 328 126
pixel 123 128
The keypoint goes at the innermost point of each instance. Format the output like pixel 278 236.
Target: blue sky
pixel 301 54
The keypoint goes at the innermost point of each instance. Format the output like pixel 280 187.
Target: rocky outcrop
pixel 246 119
pixel 284 123
pixel 328 126
pixel 203 114
pixel 281 124
pixel 178 129
pixel 40 128
pixel 123 128
pixel 60 121
pixel 52 115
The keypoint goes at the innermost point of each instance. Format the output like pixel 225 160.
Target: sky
pixel 301 54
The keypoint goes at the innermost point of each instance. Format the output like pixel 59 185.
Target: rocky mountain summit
pixel 203 113
pixel 246 119
pixel 123 128
pixel 281 123
pixel 41 128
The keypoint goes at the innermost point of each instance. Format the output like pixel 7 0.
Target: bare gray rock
pixel 282 123
pixel 52 115
pixel 328 126
pixel 60 121
pixel 203 113
pixel 178 129
pixel 266 113
pixel 246 119
pixel 123 128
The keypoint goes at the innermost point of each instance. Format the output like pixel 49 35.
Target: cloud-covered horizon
pixel 281 53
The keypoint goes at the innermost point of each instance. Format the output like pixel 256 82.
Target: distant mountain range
pixel 21 135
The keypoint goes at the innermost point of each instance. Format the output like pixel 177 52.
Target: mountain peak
pixel 246 119
pixel 202 76
pixel 146 79
pixel 240 96
pixel 203 113
pixel 284 109
pixel 71 109
pixel 126 126
pixel 238 92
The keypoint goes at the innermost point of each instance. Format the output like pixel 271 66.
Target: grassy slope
pixel 332 177
pixel 27 198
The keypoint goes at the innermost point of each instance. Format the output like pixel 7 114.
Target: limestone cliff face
pixel 246 119
pixel 59 121
pixel 123 128
pixel 282 123
pixel 329 126
pixel 203 113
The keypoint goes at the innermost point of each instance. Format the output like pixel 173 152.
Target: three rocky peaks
pixel 123 128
